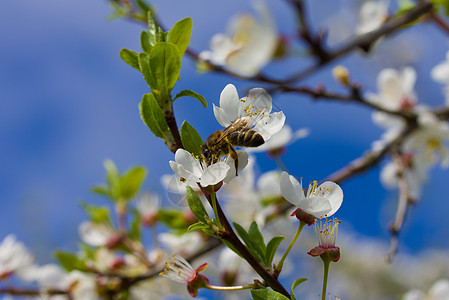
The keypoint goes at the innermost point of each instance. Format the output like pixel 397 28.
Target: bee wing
pixel 236 126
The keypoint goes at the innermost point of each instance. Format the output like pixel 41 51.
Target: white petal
pixel 260 99
pixel 335 197
pixel 181 172
pixel 414 295
pixel 230 101
pixel 222 117
pixel 408 80
pixel 268 184
pixel 291 189
pixel 243 162
pixel 188 162
pixel 440 290
pixel 94 234
pixel 270 125
pixel 316 206
pixel 214 174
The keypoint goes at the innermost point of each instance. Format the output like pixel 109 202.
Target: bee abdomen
pixel 246 138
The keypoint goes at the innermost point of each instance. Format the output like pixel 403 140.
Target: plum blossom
pixel 319 201
pixel 194 171
pixel 185 244
pixel 147 205
pixel 97 234
pixel 440 73
pixel 248 45
pixel 438 291
pixel 253 110
pixel 14 258
pixel 326 233
pixel 178 269
pixel 372 15
pixel 429 140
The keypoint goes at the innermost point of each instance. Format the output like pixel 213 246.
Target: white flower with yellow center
pixel 319 201
pixel 254 110
pixel 193 171
pixel 429 140
pixel 248 45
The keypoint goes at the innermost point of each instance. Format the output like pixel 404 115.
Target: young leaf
pixel 257 238
pixel 152 115
pixel 266 294
pixel 190 138
pixel 131 181
pixel 180 35
pixel 144 66
pixel 198 225
pixel 130 57
pixel 189 93
pixel 165 65
pixel 253 247
pixel 98 214
pixel 271 249
pixel 70 261
pixel 295 284
pixel 195 204
pixel 143 5
pixel 145 41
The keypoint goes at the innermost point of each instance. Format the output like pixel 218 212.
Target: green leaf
pixel 134 231
pixel 165 65
pixel 295 284
pixel 271 249
pixel 444 4
pixel 198 225
pixel 266 294
pixel 130 57
pixel 190 138
pixel 195 204
pixel 180 35
pixel 101 190
pixel 97 214
pixel 152 27
pixel 131 181
pixel 144 66
pixel 145 42
pixel 252 246
pixel 70 261
pixel 152 115
pixel 112 179
pixel 189 93
pixel 257 239
pixel 171 217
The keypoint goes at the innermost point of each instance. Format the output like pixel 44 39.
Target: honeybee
pixel 221 143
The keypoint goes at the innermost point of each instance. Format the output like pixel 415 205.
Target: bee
pixel 221 143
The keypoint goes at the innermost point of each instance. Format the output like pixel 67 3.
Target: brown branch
pixel 403 202
pixel 32 292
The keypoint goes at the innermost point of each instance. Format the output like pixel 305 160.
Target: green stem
pixel 214 207
pixel 298 231
pixel 229 288
pixel 326 262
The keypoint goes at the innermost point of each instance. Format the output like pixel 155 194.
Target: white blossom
pixel 438 291
pixel 96 234
pixel 440 73
pixel 14 257
pixel 185 244
pixel 372 15
pixel 253 110
pixel 194 171
pixel 247 46
pixel 320 201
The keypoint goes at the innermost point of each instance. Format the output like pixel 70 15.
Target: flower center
pixel 326 231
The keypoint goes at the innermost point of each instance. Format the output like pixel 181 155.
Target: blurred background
pixel 68 102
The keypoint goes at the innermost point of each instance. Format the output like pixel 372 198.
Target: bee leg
pixel 235 157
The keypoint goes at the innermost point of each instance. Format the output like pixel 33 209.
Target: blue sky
pixel 67 102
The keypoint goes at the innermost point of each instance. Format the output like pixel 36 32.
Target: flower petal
pixel 316 206
pixel 214 174
pixel 270 125
pixel 335 195
pixel 291 189
pixel 188 162
pixel 243 162
pixel 229 100
pixel 182 172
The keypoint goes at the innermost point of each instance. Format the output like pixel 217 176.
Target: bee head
pixel 206 153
